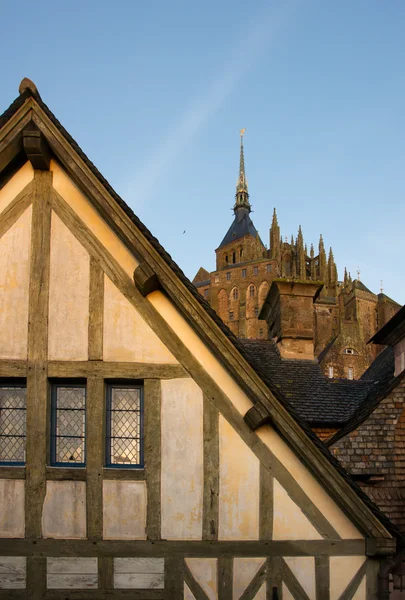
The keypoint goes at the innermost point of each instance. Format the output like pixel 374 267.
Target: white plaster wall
pixel 342 571
pixel 127 337
pixel 68 295
pixel 303 568
pixel 13 571
pixel 244 569
pixel 289 522
pixel 14 285
pixel 304 478
pixel 182 460
pixel 139 573
pixel 72 573
pixel 89 215
pixel 205 573
pixel 64 511
pixel 16 185
pixel 12 512
pixel 239 482
pixel 124 510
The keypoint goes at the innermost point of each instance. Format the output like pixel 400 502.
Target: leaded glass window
pixel 12 423
pixel 68 424
pixel 124 426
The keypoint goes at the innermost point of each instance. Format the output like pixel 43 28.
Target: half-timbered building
pixel 142 454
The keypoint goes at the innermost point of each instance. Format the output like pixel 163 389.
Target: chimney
pixel 289 313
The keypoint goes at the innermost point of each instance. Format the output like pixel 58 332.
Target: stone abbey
pixel 337 318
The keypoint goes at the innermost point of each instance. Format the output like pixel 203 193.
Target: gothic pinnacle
pixel 242 195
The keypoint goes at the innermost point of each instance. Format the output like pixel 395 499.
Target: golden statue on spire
pixel 242 131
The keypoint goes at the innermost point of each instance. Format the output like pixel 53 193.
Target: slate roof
pixel 317 399
pixel 18 103
pixel 242 225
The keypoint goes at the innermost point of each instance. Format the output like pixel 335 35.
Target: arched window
pixel 235 293
pixel 226 259
pixel 252 290
pixel 234 257
pixel 240 254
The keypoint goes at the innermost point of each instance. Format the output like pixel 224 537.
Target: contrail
pixel 258 37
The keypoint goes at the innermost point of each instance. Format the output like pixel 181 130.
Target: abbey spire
pixel 242 194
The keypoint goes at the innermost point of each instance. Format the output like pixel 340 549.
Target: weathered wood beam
pixel 211 471
pixel 12 472
pixel 95 436
pixel 225 578
pixel 322 577
pixel 146 279
pixel 118 548
pixel 13 368
pixel 153 456
pixel 174 577
pixel 266 503
pixel 114 370
pixel 96 310
pixel 36 148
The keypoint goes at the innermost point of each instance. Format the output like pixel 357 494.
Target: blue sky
pixel 156 92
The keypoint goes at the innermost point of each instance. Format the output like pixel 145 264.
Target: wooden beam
pixel 66 473
pixel 211 471
pixel 113 370
pixel 153 458
pixel 96 310
pixel 266 503
pixel 13 368
pixel 146 279
pixel 274 580
pixel 113 473
pixel 225 578
pixel 36 578
pixel 37 377
pixel 12 472
pixel 36 148
pixel 208 549
pixel 95 436
pixel 106 573
pixel 174 577
pixel 322 577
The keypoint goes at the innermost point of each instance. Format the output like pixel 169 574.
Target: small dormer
pixel 393 334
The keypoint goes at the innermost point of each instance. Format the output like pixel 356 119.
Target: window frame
pixel 19 383
pixel 109 386
pixel 54 385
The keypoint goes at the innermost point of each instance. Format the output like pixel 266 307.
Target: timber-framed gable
pixel 232 498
